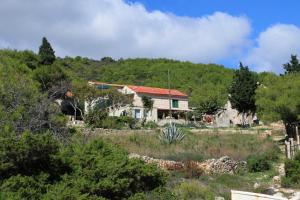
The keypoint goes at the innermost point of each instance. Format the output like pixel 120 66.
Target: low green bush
pixel 193 190
pixel 258 163
pixel 94 118
pixel 157 194
pixel 38 167
pixel 150 125
pixel 292 172
pixel 100 119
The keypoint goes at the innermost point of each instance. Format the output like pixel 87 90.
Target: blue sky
pixel 262 34
pixel 262 13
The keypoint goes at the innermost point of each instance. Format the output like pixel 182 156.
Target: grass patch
pixel 194 146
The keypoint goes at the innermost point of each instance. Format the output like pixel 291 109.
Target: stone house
pixel 165 102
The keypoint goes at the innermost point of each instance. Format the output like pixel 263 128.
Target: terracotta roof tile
pixel 156 91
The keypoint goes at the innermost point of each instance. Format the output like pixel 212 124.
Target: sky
pixel 260 33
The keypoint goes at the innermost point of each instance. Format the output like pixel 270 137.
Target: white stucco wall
pixel 240 195
pixel 159 102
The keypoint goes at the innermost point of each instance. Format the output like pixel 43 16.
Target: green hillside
pixel 200 81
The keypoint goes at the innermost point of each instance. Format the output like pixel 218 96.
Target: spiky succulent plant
pixel 171 134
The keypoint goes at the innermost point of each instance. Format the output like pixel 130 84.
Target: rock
pixel 219 198
pixel 286 190
pixel 296 196
pixel 276 179
pixel 256 185
pixel 281 170
pixel 278 194
pixel 270 191
pixel 212 166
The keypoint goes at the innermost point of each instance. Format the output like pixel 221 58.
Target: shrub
pixel 193 190
pixel 258 163
pixel 29 154
pixel 150 125
pixel 157 194
pixel 103 170
pixel 24 187
pixel 292 172
pixel 94 118
pixel 99 119
pixel 127 121
pixel 191 170
pixel 37 167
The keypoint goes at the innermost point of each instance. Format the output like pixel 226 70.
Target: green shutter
pixel 174 103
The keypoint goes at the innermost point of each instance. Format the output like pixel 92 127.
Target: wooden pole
pixel 298 138
pixel 287 149
pixel 169 85
pixel 292 147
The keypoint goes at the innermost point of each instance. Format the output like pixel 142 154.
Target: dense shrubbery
pixel 258 163
pixel 263 162
pixel 36 166
pixel 99 119
pixel 292 172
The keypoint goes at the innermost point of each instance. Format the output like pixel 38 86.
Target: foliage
pixel 242 90
pixel 258 163
pixel 36 166
pixel 49 76
pixel 193 190
pixel 28 155
pixel 147 102
pixel 293 66
pixel 94 118
pixel 24 107
pixel 199 81
pixel 46 53
pixel 103 170
pixel 21 187
pixel 148 105
pixel 157 194
pixel 292 169
pixel 97 118
pixel 210 107
pixel 107 60
pixel 279 98
pixel 150 125
pixel 171 134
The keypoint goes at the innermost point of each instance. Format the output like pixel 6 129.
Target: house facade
pixel 165 102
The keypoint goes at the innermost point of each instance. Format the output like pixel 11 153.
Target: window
pixel 137 113
pixel 174 103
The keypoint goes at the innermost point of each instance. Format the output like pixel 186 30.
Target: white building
pixel 165 102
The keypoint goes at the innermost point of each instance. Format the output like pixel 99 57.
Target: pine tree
pixel 242 91
pixel 293 66
pixel 46 53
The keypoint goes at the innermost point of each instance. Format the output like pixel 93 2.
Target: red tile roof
pixel 156 91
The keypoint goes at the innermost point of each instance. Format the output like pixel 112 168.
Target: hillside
pixel 200 81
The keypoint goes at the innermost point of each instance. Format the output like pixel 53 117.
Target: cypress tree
pixel 46 53
pixel 242 91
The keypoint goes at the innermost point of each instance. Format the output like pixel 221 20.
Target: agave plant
pixel 171 134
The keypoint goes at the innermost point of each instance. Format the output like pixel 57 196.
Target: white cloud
pixel 97 28
pixel 274 48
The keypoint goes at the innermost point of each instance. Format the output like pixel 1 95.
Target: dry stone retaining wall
pixel 212 166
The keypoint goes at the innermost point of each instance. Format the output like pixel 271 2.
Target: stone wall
pixel 223 165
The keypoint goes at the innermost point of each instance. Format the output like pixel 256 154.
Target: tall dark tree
pixel 242 91
pixel 46 53
pixel 293 66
